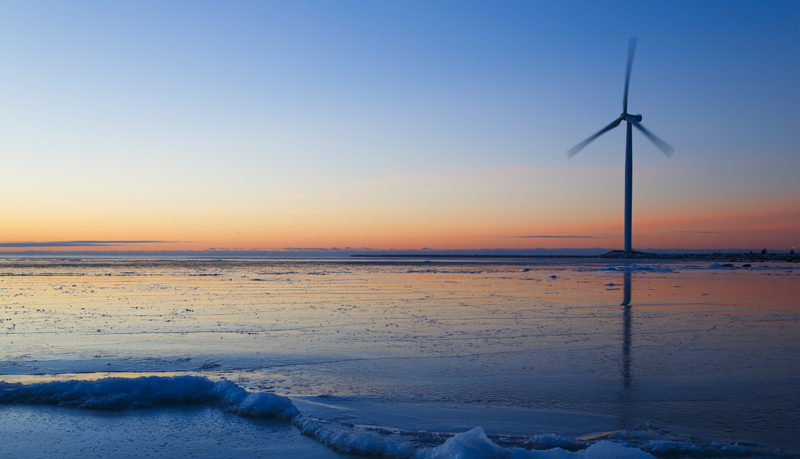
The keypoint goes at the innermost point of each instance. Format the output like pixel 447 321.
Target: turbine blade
pixel 574 150
pixel 631 52
pixel 663 146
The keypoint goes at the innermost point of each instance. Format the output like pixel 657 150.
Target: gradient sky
pixel 262 125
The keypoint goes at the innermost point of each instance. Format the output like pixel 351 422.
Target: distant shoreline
pixel 616 255
pixel 716 256
pixel 444 255
pixel 730 257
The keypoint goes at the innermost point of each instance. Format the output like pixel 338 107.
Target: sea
pixel 399 358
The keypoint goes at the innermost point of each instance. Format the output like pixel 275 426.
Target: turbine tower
pixel 633 121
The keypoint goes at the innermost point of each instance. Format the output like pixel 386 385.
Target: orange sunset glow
pixel 177 140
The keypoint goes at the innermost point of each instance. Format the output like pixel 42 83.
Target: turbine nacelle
pixel 631 119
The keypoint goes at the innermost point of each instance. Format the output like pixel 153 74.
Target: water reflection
pixel 626 330
pixel 626 393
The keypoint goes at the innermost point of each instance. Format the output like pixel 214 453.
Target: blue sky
pixel 343 123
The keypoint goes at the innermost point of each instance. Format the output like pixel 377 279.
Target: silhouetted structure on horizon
pixel 632 120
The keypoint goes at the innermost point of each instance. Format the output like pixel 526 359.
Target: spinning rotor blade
pixel 574 150
pixel 663 146
pixel 631 52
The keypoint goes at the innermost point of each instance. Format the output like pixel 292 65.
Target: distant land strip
pixel 444 255
pixel 716 256
pixel 731 255
pixel 617 254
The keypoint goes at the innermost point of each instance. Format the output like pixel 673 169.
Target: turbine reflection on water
pixel 626 330
pixel 626 393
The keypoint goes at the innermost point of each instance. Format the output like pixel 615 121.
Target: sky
pixel 267 125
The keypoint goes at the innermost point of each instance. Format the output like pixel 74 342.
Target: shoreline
pixel 616 255
pixel 716 256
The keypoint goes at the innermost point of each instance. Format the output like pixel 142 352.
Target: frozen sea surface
pixel 528 358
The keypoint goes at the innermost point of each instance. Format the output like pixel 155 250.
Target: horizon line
pixel 334 252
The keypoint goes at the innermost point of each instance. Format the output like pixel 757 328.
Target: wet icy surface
pixel 155 432
pixel 702 352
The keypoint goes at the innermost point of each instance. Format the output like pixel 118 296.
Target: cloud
pixel 702 232
pixel 77 243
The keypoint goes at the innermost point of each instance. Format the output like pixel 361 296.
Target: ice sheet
pixel 700 354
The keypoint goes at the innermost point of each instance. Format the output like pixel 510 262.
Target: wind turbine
pixel 633 121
